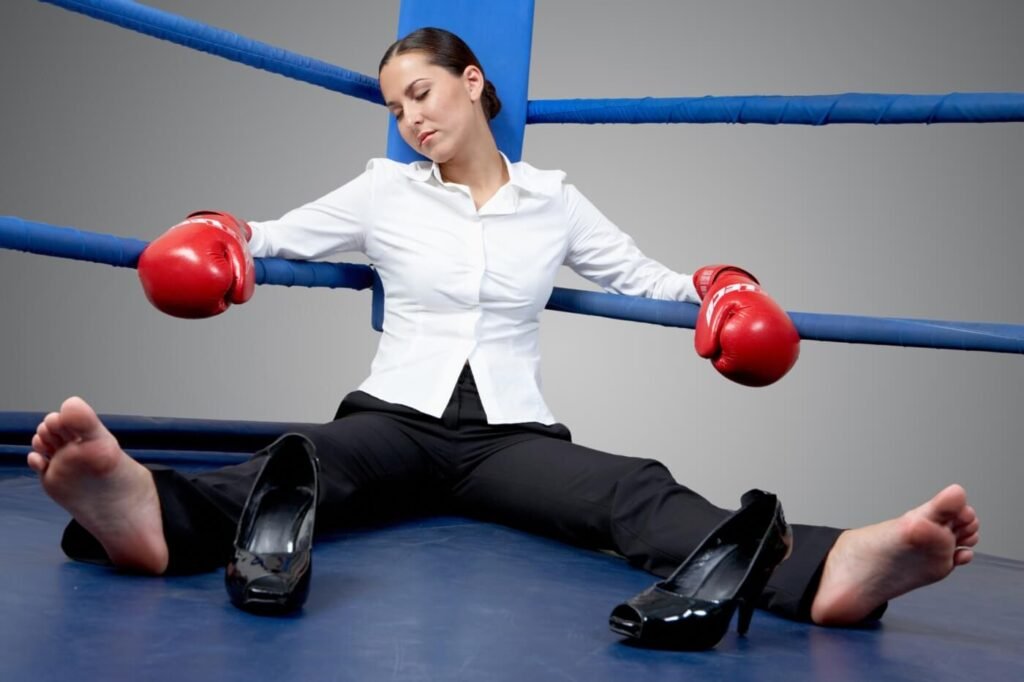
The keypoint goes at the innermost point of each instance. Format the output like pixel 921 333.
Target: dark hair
pixel 447 50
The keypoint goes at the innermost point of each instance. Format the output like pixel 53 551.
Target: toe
pixel 966 516
pixel 55 433
pixel 37 462
pixel 963 556
pixel 43 443
pixel 970 529
pixel 968 540
pixel 947 505
pixel 78 418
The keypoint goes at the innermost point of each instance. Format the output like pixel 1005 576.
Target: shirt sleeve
pixel 604 254
pixel 334 223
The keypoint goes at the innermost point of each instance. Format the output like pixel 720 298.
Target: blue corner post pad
pixel 500 33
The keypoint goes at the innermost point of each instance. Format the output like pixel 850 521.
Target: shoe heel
pixel 746 613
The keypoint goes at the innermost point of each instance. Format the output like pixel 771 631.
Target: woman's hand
pixel 746 335
pixel 200 266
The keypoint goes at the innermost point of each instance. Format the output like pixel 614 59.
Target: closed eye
pixel 419 98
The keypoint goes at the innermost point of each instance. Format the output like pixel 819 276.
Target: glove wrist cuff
pixel 704 279
pixel 224 221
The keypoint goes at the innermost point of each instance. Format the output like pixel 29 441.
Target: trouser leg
pixel 374 466
pixel 534 477
pixel 590 498
pixel 633 506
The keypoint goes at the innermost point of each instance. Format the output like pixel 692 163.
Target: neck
pixel 481 166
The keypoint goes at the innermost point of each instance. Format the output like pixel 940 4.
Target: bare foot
pixel 870 565
pixel 82 467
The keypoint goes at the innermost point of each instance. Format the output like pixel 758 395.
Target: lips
pixel 425 136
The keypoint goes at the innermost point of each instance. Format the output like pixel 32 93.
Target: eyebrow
pixel 408 90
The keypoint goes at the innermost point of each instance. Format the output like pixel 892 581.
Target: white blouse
pixel 463 284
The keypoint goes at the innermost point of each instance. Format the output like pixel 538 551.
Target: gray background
pixel 110 131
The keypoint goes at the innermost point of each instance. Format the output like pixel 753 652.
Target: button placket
pixel 478 257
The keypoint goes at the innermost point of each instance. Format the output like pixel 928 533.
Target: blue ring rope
pixel 163 440
pixel 18 428
pixel 124 252
pixel 66 242
pixel 814 110
pixel 183 31
pixel 871 108
pixel 14 455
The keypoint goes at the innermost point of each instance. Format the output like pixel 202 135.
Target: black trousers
pixel 381 462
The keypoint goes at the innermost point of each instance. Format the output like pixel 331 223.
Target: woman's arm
pixel 604 254
pixel 745 334
pixel 334 223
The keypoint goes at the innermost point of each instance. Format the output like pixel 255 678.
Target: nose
pixel 413 115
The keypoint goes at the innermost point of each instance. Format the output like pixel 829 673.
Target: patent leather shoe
pixel 693 607
pixel 273 563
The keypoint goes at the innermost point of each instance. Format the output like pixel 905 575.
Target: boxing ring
pixel 449 598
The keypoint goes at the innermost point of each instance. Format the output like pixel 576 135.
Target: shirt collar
pixel 422 171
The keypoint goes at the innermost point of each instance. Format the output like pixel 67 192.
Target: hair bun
pixel 492 105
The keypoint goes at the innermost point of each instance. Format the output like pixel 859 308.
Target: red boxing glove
pixel 747 336
pixel 200 266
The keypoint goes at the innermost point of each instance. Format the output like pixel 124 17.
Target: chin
pixel 437 154
pixel 437 158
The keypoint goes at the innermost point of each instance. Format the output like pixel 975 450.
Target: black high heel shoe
pixel 273 562
pixel 728 570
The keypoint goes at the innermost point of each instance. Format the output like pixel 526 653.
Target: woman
pixel 451 417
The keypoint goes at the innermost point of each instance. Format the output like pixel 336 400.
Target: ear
pixel 473 80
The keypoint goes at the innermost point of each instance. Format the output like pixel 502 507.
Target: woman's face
pixel 434 109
